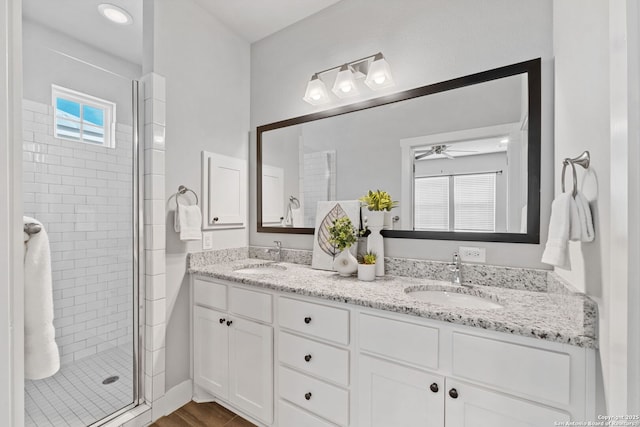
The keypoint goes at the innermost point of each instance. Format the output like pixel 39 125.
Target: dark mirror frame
pixel 533 70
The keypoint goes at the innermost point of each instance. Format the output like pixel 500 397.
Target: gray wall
pixel 425 42
pixel 48 59
pixel 206 68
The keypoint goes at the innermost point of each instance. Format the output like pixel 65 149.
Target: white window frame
pixel 108 107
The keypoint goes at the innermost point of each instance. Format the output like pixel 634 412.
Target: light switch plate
pixel 472 254
pixel 207 240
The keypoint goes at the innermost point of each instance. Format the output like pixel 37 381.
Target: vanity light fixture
pixel 115 14
pixel 374 69
pixel 316 93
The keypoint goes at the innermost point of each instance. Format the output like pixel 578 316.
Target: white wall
pixel 206 67
pixel 425 42
pixel 596 83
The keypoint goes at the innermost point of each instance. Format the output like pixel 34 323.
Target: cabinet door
pixel 478 407
pixel 211 351
pixel 251 368
pixel 396 395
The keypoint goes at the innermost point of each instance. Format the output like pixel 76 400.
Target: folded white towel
pixel 583 221
pixel 297 219
pixel 41 356
pixel 187 222
pixel 556 251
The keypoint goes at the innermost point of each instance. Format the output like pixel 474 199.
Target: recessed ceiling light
pixel 115 14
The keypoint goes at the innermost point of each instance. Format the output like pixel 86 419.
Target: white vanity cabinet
pixel 341 365
pixel 233 346
pixel 410 373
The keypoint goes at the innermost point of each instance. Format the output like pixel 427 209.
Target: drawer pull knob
pixel 229 322
pixel 222 320
pixel 307 396
pixel 453 393
pixel 307 320
pixel 307 358
pixel 434 387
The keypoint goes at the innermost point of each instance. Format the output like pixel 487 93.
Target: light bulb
pixel 345 88
pixel 379 75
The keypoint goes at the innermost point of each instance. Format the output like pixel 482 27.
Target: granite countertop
pixel 560 317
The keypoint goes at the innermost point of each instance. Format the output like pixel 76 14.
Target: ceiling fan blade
pixel 447 155
pixel 463 151
pixel 425 154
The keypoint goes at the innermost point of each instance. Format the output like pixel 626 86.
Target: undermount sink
pixel 453 299
pixel 261 269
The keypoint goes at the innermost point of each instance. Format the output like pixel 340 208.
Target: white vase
pixel 375 221
pixel 367 272
pixel 345 263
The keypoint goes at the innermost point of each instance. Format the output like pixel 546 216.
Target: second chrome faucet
pixel 455 267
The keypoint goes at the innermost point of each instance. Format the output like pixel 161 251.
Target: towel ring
pixel 182 190
pixel 583 160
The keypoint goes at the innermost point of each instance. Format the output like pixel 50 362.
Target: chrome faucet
pixel 455 268
pixel 277 250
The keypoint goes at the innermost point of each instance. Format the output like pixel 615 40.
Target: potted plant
pixel 342 235
pixel 367 267
pixel 378 201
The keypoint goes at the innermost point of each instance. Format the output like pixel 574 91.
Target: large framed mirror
pixel 462 157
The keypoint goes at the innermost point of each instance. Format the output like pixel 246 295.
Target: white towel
pixel 297 220
pixel 41 356
pixel 583 221
pixel 187 222
pixel 556 251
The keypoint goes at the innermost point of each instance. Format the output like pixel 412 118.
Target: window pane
pixel 68 109
pixel 93 115
pixel 475 202
pixel 431 203
pixel 93 134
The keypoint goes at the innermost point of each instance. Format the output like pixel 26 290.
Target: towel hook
pixel 583 160
pixel 182 190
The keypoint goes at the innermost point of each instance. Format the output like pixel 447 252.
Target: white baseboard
pixel 173 399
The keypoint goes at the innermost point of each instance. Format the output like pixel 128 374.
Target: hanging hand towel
pixel 584 220
pixel 556 251
pixel 188 220
pixel 41 356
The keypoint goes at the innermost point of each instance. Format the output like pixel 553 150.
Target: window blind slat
pixel 475 202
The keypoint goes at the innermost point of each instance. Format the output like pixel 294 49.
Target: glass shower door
pixel 80 180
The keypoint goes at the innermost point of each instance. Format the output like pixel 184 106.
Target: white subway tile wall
pixel 83 196
pixel 318 172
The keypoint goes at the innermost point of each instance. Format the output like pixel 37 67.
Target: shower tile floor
pixel 75 395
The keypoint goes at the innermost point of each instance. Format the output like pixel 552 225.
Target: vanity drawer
pixel 402 341
pixel 309 356
pixel 209 294
pixel 251 304
pixel 315 396
pixel 292 416
pixel 533 372
pixel 314 319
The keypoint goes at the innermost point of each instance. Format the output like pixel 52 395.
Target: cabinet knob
pixel 229 322
pixel 453 393
pixel 215 219
pixel 307 320
pixel 222 320
pixel 307 358
pixel 434 387
pixel 307 396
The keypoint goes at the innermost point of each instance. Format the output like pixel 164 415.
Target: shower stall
pixel 81 182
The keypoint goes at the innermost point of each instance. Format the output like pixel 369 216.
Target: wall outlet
pixel 472 254
pixel 207 240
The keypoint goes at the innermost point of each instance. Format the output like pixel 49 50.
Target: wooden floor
pixel 202 415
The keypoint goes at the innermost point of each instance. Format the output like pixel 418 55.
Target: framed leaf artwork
pixel 327 212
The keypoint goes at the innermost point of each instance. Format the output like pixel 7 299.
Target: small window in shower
pixel 83 118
